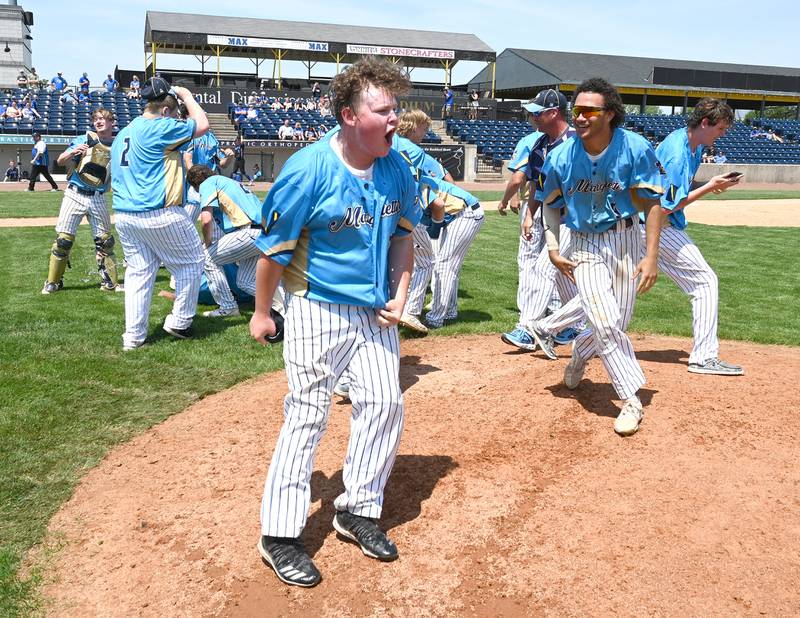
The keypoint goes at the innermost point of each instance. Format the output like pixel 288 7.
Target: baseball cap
pixel 156 88
pixel 546 99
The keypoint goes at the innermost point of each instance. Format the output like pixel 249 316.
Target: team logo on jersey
pixel 660 167
pixel 390 208
pixel 587 186
pixel 354 216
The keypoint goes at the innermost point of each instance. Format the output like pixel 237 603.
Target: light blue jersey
pixel 522 152
pixel 416 157
pixel 232 205
pixel 681 164
pixel 92 170
pixel 205 151
pixel 598 194
pixel 455 199
pixel 146 164
pixel 331 230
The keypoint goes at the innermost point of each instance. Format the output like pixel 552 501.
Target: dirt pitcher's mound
pixel 511 495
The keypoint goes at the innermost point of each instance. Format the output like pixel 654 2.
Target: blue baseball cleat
pixel 565 336
pixel 520 339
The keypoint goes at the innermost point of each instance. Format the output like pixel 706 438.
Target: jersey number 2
pixel 124 161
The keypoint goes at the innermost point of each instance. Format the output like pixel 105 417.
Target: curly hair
pixel 347 86
pixel 715 110
pixel 412 119
pixel 197 175
pixel 611 99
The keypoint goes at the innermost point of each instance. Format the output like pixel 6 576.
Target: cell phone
pixel 734 175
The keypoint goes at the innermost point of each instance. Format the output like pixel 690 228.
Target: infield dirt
pixel 511 496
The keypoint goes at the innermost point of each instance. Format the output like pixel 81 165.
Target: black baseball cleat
pixel 289 560
pixel 180 333
pixel 364 531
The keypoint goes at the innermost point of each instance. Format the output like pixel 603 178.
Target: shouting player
pixel 89 156
pixel 602 179
pixel 341 240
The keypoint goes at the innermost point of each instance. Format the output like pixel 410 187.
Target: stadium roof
pixel 187 33
pixel 523 72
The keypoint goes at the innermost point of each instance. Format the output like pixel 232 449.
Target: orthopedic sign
pixel 248 41
pixel 409 52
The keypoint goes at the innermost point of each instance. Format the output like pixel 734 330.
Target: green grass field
pixel 46 204
pixel 71 394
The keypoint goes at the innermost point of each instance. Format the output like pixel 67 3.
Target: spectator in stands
pixel 771 135
pixel 110 84
pixel 297 134
pixel 276 105
pixel 58 83
pixel 28 113
pixel 252 112
pixel 13 112
pixel 447 107
pixel 322 130
pixel 310 105
pixel 239 114
pixel 12 173
pixel 285 132
pixel 134 88
pixel 22 80
pixel 83 97
pixel 33 80
pixel 721 158
pixel 756 133
pixel 311 134
pixel 83 83
pixel 3 109
pixel 473 105
pixel 325 106
pixel 68 96
pixel 256 177
pixel 316 92
pixel 31 98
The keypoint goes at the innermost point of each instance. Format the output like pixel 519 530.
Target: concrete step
pixel 484 177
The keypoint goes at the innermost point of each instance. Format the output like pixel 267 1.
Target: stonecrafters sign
pixel 408 52
pixel 248 41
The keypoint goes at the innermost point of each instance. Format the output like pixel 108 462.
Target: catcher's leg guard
pixel 104 252
pixel 59 256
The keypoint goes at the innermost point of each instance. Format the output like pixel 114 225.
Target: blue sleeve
pixel 676 188
pixel 176 134
pixel 208 194
pixel 283 216
pixel 410 209
pixel 553 196
pixel 432 167
pixel 647 182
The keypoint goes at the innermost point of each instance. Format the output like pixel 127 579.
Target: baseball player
pixel 204 150
pixel 231 208
pixel 341 239
pixel 548 109
pixel 517 191
pixel 602 179
pixel 679 258
pixel 411 129
pixel 89 157
pixel 40 163
pixel 148 184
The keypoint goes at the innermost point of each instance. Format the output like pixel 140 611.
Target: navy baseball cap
pixel 156 88
pixel 546 99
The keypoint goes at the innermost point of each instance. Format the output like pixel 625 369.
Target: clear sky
pixel 96 36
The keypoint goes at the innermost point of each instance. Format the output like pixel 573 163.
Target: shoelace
pixel 287 551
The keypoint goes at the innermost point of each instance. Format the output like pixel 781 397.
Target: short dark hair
pixel 611 99
pixel 347 86
pixel 198 174
pixel 154 106
pixel 715 110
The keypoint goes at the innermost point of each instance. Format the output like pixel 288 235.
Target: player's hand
pixel 527 225
pixel 390 314
pixel 648 269
pixel 721 183
pixel 80 149
pixel 514 206
pixel 261 327
pixel 567 267
pixel 502 206
pixel 228 152
pixel 181 92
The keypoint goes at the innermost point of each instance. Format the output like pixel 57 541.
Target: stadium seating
pixel 495 139
pixel 59 118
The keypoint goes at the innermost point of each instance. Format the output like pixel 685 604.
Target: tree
pixel 778 113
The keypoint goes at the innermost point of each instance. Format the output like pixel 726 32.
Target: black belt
pixel 77 189
pixel 255 226
pixel 627 222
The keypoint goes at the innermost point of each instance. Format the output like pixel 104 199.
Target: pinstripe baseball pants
pixel 681 260
pixel 607 292
pixel 454 242
pixel 321 341
pixel 424 258
pixel 546 280
pixel 149 239
pixel 75 206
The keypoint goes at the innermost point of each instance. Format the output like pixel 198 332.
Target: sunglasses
pixel 587 111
